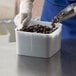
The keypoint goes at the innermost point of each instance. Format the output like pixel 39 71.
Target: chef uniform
pixel 52 8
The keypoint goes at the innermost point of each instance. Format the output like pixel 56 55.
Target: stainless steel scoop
pixel 67 12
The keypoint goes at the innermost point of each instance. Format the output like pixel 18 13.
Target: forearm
pixel 24 0
pixel 26 6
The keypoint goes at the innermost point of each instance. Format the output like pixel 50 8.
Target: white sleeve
pixel 26 6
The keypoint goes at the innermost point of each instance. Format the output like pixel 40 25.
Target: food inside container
pixel 38 44
pixel 38 28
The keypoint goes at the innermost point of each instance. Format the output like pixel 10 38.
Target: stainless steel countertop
pixel 63 63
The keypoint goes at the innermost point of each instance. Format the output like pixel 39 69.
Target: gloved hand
pixel 25 14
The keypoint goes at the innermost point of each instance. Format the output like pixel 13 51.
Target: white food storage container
pixel 37 44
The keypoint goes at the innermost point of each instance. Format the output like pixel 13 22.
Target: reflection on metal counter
pixel 61 64
pixel 32 66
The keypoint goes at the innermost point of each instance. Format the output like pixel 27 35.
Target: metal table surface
pixel 63 63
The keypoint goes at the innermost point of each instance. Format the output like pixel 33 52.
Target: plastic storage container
pixel 36 44
pixel 10 26
pixel 4 35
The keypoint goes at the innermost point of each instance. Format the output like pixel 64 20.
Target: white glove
pixel 25 14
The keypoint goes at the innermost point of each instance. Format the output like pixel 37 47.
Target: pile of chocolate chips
pixel 44 29
pixel 38 29
pixel 57 19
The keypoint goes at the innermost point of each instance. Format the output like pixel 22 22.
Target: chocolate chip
pixel 57 19
pixel 37 28
pixel 30 28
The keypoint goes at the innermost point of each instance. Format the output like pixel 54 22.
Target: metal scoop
pixel 66 13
